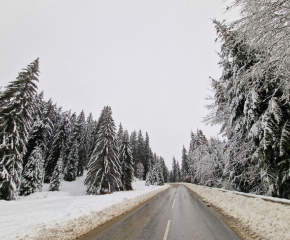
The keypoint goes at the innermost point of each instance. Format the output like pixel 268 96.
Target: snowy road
pixel 173 214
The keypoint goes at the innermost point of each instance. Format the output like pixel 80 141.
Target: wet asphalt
pixel 175 214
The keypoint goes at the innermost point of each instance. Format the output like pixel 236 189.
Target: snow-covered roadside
pixel 269 220
pixel 68 213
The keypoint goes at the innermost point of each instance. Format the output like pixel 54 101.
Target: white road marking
pixel 173 204
pixel 167 229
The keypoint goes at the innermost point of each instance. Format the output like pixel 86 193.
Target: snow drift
pixel 261 218
pixel 69 213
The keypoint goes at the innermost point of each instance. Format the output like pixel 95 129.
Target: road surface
pixel 175 214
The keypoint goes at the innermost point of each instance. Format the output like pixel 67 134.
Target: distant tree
pixel 147 154
pixel 133 143
pixel 16 109
pixel 164 169
pixel 139 171
pixel 154 176
pixel 126 159
pixel 88 138
pixel 140 154
pixel 185 177
pixel 173 171
pixel 104 174
pixel 178 173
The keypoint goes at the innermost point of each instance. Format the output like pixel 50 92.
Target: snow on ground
pixel 68 213
pixel 264 219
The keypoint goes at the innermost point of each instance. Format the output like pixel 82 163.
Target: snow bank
pixel 68 213
pixel 264 219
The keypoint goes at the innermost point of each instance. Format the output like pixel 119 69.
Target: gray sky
pixel 150 60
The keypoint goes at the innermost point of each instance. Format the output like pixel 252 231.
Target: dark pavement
pixel 175 214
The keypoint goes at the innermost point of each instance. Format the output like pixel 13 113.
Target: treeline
pixel 42 143
pixel 251 103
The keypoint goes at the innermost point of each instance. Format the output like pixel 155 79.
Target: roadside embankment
pixel 261 218
pixel 78 227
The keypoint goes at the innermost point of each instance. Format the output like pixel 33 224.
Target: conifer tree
pixel 173 171
pixel 147 155
pixel 104 174
pixel 88 138
pixel 126 159
pixel 79 131
pixel 56 175
pixel 164 169
pixel 70 171
pixel 133 143
pixel 56 149
pixel 178 174
pixel 184 166
pixel 140 154
pixel 17 104
pixel 120 136
pixel 139 171
pixel 154 176
pixel 32 176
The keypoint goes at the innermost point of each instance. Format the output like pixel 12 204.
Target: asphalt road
pixel 175 214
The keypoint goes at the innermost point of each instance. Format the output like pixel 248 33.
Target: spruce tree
pixel 104 174
pixel 140 154
pixel 184 166
pixel 70 171
pixel 165 171
pixel 120 136
pixel 88 139
pixel 57 148
pixel 148 155
pixel 139 171
pixel 133 143
pixel 56 175
pixel 173 171
pixel 17 105
pixel 32 176
pixel 126 159
pixel 79 131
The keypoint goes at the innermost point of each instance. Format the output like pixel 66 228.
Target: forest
pixel 251 104
pixel 41 143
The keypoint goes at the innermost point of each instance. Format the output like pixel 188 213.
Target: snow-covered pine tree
pixel 104 174
pixel 139 171
pixel 264 25
pixel 79 131
pixel 120 136
pixel 173 171
pixel 140 154
pixel 40 127
pixel 126 159
pixel 88 139
pixel 253 113
pixel 70 171
pixel 17 104
pixel 164 169
pixel 154 176
pixel 56 175
pixel 133 143
pixel 178 173
pixel 57 148
pixel 32 176
pixel 185 177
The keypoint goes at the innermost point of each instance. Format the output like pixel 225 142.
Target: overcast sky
pixel 150 60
